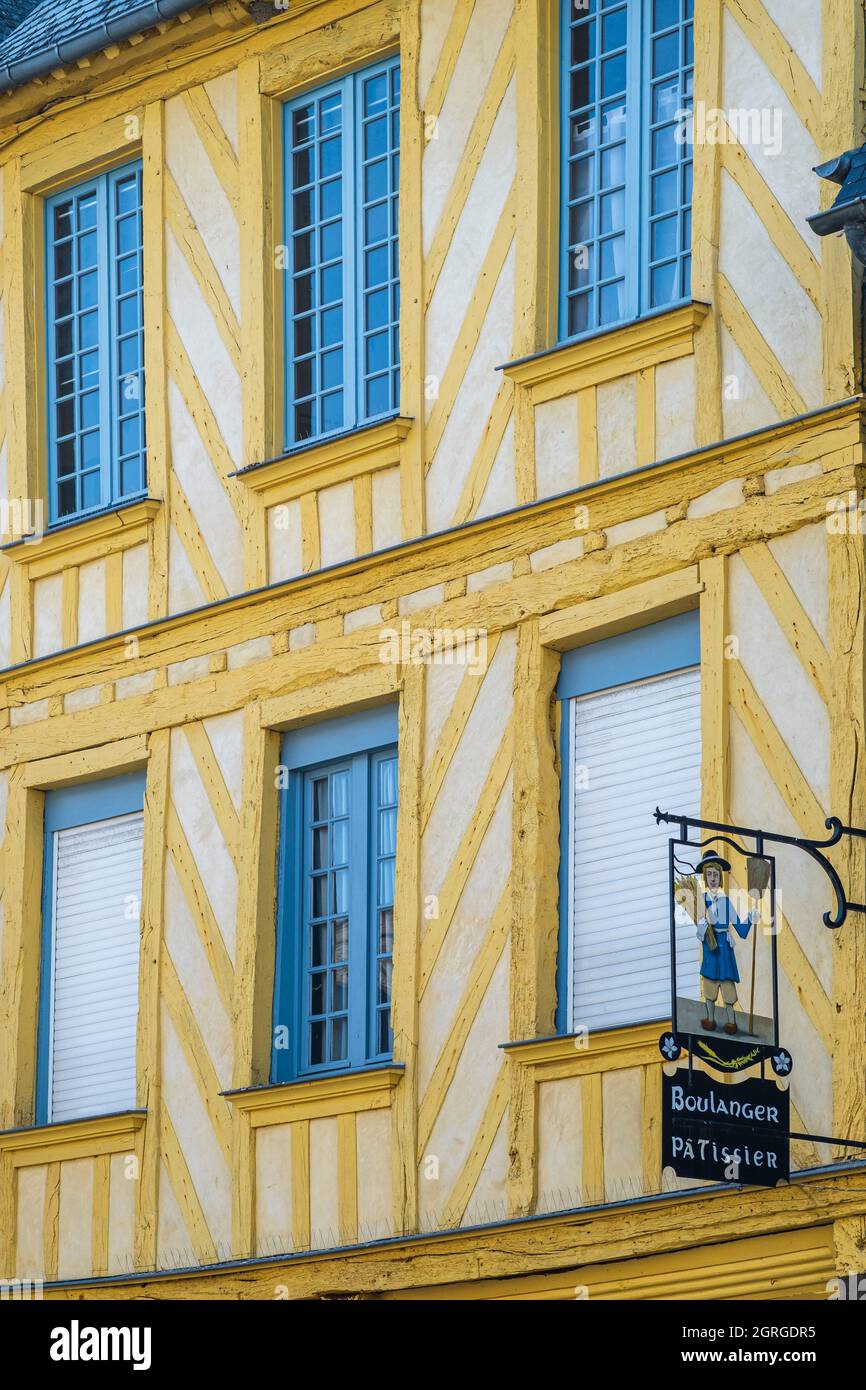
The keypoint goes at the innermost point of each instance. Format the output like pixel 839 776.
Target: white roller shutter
pixel 94 967
pixel 634 748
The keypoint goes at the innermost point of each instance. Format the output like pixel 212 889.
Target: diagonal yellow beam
pixel 464 858
pixel 204 1073
pixel 200 909
pixel 183 1188
pixel 184 376
pixel 448 55
pixel 203 270
pixel 790 615
pixel 451 733
pixel 193 542
pixel 778 225
pixel 214 784
pixel 790 782
pixel 485 455
pixel 470 160
pixel 760 356
pixel 217 145
pixel 779 57
pixel 461 1193
pixel 473 322
pixel 480 975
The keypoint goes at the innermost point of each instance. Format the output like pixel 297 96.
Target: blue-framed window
pixel 88 981
pixel 95 343
pixel 342 298
pixel 335 933
pixel 630 741
pixel 626 97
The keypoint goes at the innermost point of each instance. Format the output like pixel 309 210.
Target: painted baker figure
pixel 719 973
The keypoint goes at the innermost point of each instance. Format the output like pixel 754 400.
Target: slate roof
pixel 75 27
pixel 12 12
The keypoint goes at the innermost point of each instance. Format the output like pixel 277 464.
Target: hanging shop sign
pixel 724 968
pixel 724 1133
pixel 725 1002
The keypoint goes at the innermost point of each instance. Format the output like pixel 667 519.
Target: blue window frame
pixel 342 297
pixel 627 78
pixel 335 933
pixel 95 343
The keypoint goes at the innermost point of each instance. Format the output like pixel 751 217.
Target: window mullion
pixel 352 256
pixel 52 358
pixel 288 968
pixel 636 138
pixel 106 333
pixel 359 910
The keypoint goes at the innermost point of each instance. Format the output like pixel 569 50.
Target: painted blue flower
pixel 782 1063
pixel 669 1047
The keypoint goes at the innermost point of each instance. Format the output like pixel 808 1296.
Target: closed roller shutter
pixel 634 748
pixel 96 893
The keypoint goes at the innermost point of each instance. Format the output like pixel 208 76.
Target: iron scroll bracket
pixel 813 848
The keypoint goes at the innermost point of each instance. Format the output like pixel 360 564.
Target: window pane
pixel 386 848
pixel 326 798
pixel 668 152
pixel 664 284
pixel 332 412
pixel 339 1040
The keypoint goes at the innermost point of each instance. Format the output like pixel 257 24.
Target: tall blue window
pixel 332 997
pixel 627 78
pixel 342 147
pixel 95 330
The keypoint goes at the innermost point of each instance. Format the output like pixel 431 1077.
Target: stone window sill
pixel 574 1054
pixel 321 463
pixel 616 352
pixel 318 1097
pixel 90 538
pixel 69 1139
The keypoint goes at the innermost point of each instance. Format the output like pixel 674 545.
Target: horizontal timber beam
pixel 589 1236
pixel 831 435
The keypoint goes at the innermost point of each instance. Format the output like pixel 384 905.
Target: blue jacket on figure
pixel 720 964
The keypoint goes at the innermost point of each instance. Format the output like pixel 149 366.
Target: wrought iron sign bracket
pixel 724 832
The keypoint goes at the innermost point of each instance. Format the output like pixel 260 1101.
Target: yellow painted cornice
pixel 158 63
pixel 831 435
pixel 343 1094
pixel 201 31
pixel 576 1054
pixel 99 1134
pixel 315 466
pixel 77 543
pixel 617 352
pixel 571 1240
